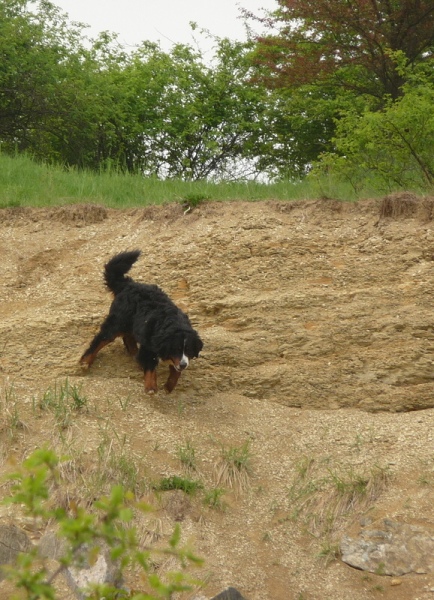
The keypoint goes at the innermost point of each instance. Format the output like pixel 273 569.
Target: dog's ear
pixel 168 346
pixel 198 345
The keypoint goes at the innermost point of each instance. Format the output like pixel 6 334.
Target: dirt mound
pixel 317 323
pixel 405 204
pixel 78 214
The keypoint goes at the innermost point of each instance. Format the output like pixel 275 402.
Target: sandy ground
pixel 318 331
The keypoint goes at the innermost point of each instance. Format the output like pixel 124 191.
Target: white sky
pixel 164 21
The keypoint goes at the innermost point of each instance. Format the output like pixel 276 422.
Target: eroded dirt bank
pixel 318 330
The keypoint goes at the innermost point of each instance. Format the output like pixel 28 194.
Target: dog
pixel 152 327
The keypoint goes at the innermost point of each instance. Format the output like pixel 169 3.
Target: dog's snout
pixel 183 364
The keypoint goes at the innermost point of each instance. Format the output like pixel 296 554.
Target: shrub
pixel 109 523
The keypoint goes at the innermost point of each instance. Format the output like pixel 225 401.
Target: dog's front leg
pixel 151 382
pixel 148 361
pixel 172 380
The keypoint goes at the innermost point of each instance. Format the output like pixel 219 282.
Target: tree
pixel 36 43
pixel 392 146
pixel 89 126
pixel 350 42
pixel 299 125
pixel 94 105
pixel 190 119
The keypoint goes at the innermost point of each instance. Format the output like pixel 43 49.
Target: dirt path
pixel 318 330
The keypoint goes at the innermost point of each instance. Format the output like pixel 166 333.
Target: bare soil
pixel 318 329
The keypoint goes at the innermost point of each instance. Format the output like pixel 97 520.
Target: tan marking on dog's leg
pixel 172 380
pixel 87 359
pixel 150 382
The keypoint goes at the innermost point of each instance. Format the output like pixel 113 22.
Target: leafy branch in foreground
pixel 108 525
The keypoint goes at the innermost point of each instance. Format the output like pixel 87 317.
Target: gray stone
pixel 102 570
pixel 51 546
pixel 229 594
pixel 12 541
pixel 392 549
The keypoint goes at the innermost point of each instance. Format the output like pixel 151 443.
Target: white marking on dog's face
pixel 184 362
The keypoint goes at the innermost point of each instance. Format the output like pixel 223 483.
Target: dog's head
pixel 180 347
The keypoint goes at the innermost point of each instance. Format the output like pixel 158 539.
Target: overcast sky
pixel 164 21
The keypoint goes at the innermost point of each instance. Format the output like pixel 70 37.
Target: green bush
pixel 109 522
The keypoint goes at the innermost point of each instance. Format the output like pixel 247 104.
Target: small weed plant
pixel 12 423
pixel 329 551
pixel 214 499
pixel 426 473
pixel 189 486
pixel 187 456
pixel 63 400
pixel 114 463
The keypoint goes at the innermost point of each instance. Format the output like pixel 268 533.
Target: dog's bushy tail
pixel 115 269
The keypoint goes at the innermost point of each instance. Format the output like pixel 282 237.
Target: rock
pixel 51 546
pixel 395 549
pixel 12 541
pixel 101 570
pixel 229 594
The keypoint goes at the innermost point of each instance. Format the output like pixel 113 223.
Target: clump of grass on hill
pixel 426 472
pixel 187 456
pixel 114 464
pixel 325 498
pixel 62 400
pixel 175 482
pixel 12 422
pixel 214 499
pixel 234 467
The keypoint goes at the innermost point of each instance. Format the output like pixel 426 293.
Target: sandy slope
pixel 318 331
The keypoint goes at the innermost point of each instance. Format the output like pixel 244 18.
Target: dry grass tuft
pixel 403 204
pixel 233 467
pixel 331 501
pixel 407 205
pixel 152 532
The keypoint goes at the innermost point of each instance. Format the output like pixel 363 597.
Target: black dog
pixel 143 314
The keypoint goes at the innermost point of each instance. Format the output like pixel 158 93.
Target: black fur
pixel 145 315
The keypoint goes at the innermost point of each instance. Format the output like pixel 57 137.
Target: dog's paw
pixel 150 391
pixel 84 364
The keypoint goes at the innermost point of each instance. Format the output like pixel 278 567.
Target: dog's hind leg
pixel 172 380
pixel 148 361
pixel 97 344
pixel 130 344
pixel 107 334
